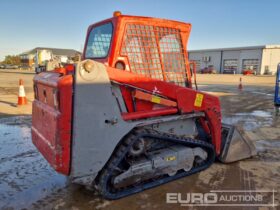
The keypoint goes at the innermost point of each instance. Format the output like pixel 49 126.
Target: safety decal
pixel 156 99
pixel 198 100
pixel 171 158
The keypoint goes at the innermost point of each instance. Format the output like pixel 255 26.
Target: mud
pixel 27 181
pixel 25 176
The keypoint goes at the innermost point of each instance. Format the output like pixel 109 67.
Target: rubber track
pixel 105 176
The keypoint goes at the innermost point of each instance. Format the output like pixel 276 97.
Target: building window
pixel 99 41
pixel 230 66
pixel 250 64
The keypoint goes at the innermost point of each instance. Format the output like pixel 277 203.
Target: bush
pixel 11 59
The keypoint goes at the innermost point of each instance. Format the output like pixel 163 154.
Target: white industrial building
pixel 261 59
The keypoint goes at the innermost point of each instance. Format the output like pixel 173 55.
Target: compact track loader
pixel 126 118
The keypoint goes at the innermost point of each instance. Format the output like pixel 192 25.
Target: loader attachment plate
pixel 235 145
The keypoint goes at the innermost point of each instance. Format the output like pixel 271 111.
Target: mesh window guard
pixel 156 52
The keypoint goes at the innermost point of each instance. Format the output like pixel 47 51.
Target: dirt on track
pixel 27 181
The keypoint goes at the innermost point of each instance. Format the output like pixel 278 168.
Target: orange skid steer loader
pixel 126 118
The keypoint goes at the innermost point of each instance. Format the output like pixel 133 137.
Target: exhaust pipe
pixel 235 145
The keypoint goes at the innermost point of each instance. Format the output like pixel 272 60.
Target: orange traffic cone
pixel 21 94
pixel 240 87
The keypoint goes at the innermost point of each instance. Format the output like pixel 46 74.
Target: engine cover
pixel 160 162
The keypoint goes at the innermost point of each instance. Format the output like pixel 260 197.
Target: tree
pixel 12 59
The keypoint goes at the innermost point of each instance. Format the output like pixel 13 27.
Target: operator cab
pixel 151 47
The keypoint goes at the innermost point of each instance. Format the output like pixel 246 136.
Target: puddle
pixel 256 113
pixel 248 123
pixel 261 93
pixel 250 120
pixel 25 176
pixel 263 145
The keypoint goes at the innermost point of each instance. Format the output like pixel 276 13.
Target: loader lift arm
pixel 188 101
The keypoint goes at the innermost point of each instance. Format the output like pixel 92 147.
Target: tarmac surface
pixel 28 182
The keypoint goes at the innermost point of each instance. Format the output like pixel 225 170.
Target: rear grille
pixel 156 52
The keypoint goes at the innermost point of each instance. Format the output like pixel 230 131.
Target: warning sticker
pixel 198 100
pixel 171 158
pixel 156 99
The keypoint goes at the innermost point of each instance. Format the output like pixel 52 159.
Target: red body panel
pixel 52 119
pixel 185 97
pixel 210 106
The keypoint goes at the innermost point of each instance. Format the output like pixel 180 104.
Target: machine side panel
pixel 97 124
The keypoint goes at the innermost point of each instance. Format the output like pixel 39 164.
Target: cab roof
pixel 147 21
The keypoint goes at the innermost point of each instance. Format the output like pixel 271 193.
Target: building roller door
pixel 230 66
pixel 250 64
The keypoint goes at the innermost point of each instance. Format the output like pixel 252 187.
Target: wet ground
pixel 28 182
